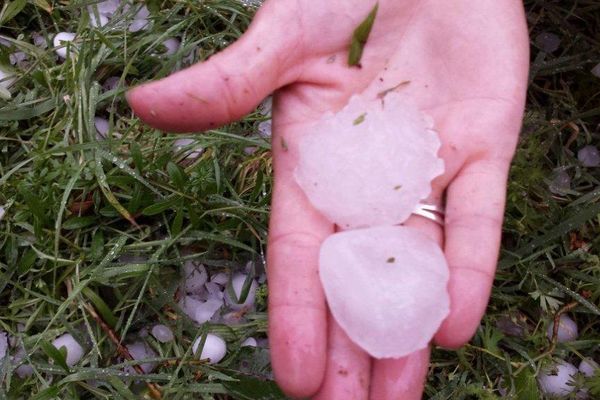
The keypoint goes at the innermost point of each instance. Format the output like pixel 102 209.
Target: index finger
pixel 297 310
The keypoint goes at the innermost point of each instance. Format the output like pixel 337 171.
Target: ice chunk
pixel 589 156
pixel 588 367
pixel 561 182
pixel 548 42
pixel 171 46
pixel 6 78
pixel 2 212
pixel 61 41
pixel 3 344
pixel 74 349
pixel 214 348
pixel 102 126
pixel 191 152
pixel 195 277
pixel 237 285
pixel 249 342
pixel 141 351
pixel 386 287
pixel 200 311
pixel 567 330
pixel 371 163
pixel 220 278
pixel 557 379
pixel 264 129
pixel 162 333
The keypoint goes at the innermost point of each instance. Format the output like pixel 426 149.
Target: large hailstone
pixel 74 349
pixel 386 287
pixel 371 163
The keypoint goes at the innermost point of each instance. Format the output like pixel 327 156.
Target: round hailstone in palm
pixel 214 348
pixel 371 163
pixel 61 41
pixel 74 349
pixel 386 287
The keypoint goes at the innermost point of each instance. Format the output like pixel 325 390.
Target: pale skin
pixel 466 63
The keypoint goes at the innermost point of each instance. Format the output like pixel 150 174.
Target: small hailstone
pixel 195 276
pixel 25 370
pixel 3 344
pixel 561 182
pixel 102 127
pixel 589 156
pixel 171 45
pixel 237 284
pixel 214 348
pixel 2 212
pixel 386 287
pixel 17 57
pixel 137 25
pixel 141 351
pixel 220 278
pixel 97 21
pixel 548 42
pixel 191 153
pixel 557 379
pixel 567 329
pixel 250 150
pixel 60 43
pixel 588 367
pixel 266 106
pixel 39 40
pixel 264 129
pixel 108 7
pixel 111 83
pixel 214 291
pixel 162 333
pixel 6 78
pixel 74 349
pixel 200 311
pixel 249 342
pixel 383 169
pixel 596 70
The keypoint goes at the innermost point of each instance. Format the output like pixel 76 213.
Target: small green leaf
pixel 178 176
pixel 47 394
pixel 360 36
pixel 250 388
pixel 360 119
pixel 27 261
pixel 526 386
pixel 101 306
pixel 161 206
pixel 78 222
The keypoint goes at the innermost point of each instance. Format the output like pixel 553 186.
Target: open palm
pixel 464 62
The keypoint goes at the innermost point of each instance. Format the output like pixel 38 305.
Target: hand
pixel 467 66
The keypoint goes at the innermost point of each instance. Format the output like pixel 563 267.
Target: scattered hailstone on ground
pixel 589 156
pixel 194 277
pixel 74 349
pixel 266 106
pixel 561 182
pixel 17 58
pixel 3 344
pixel 249 342
pixel 264 129
pixel 214 348
pixel 588 367
pixel 162 333
pixel 171 46
pixel 370 163
pixel 97 20
pixel 557 379
pixel 24 370
pixel 220 278
pixel 596 70
pixel 2 212
pixel 39 40
pixel 102 126
pixel 237 285
pixel 567 329
pixel 111 83
pixel 548 42
pixel 140 20
pixel 61 41
pixel 6 78
pixel 191 152
pixel 200 311
pixel 386 287
pixel 141 351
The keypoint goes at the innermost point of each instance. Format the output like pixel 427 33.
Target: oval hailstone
pixel 589 156
pixel 74 349
pixel 214 348
pixel 386 287
pixel 371 163
pixel 567 330
pixel 557 379
pixel 60 43
pixel 162 333
pixel 237 285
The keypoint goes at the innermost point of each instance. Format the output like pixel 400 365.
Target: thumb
pixel 229 84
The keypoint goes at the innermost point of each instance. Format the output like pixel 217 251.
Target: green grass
pixel 57 263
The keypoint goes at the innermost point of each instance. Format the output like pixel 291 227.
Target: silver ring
pixel 432 212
